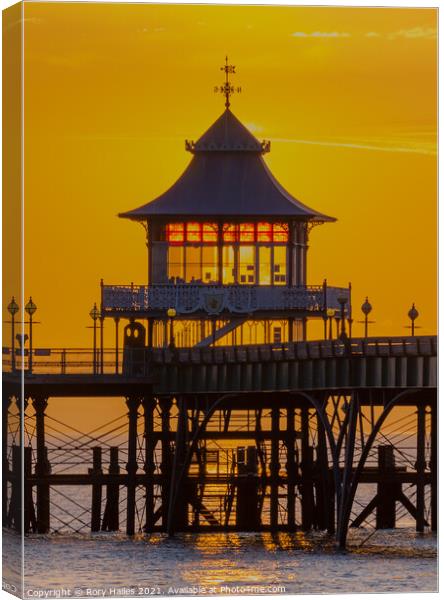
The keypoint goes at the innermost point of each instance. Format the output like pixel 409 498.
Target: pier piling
pixel 388 489
pixel 96 497
pixel 110 520
pixel 420 467
pixel 131 466
pixel 42 467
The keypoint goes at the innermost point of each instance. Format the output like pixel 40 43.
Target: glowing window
pixel 247 265
pixel 246 232
pixel 175 263
pixel 228 266
pixel 229 232
pixel 264 265
pixel 194 233
pixel 193 266
pixel 209 232
pixel 175 233
pixel 280 232
pixel 264 232
pixel 209 264
pixel 280 265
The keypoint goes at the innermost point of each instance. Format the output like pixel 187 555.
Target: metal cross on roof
pixel 227 89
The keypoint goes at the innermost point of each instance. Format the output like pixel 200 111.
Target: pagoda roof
pixel 227 134
pixel 227 177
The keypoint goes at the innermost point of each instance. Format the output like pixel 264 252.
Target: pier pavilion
pixel 227 251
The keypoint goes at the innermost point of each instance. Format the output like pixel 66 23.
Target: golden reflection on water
pixel 223 555
pixel 154 540
pixel 210 543
pixel 286 541
pixel 218 563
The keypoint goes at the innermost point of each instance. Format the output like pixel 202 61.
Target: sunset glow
pixel 347 97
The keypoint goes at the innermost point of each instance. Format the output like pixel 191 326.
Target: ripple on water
pixel 387 561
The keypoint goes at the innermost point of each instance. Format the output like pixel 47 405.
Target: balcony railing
pixel 214 299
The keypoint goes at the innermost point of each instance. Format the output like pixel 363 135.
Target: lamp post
pixel 413 314
pixel 330 314
pixel 94 313
pixel 13 308
pixel 116 321
pixel 171 313
pixel 102 319
pixel 30 308
pixel 366 309
pixel 337 322
pixel 343 301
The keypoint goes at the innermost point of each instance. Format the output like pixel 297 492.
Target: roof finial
pixel 227 89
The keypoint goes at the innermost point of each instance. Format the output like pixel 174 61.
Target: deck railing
pixel 189 298
pixel 139 361
pixel 64 361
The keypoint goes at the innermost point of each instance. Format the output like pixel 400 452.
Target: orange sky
pixel 346 95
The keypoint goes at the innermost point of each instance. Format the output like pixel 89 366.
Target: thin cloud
pixel 412 148
pixel 151 30
pixel 321 34
pixel 414 33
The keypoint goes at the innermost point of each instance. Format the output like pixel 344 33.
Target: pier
pixel 265 437
pixel 233 418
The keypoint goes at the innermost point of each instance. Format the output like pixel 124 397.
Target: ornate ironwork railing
pixel 214 299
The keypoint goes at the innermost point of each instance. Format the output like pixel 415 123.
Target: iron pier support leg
pixel 307 498
pixel 6 402
pixel 149 405
pixel 325 503
pixel 15 504
pixel 96 499
pixel 434 466
pixel 165 465
pixel 274 469
pixel 420 467
pixel 131 467
pixel 178 503
pixel 387 489
pixel 291 470
pixel 262 467
pixel 111 513
pixel 42 467
pixel 29 520
pixel 343 513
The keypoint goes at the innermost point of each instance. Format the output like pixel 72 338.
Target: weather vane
pixel 227 89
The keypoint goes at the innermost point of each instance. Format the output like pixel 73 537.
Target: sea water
pixel 102 565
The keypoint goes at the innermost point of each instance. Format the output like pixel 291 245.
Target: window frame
pixel 236 234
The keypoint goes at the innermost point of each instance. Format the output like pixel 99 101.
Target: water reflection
pixel 397 560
